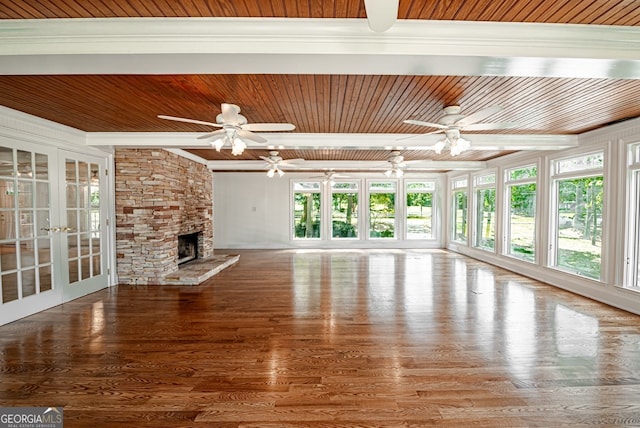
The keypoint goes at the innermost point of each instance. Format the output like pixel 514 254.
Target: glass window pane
pixel 7 193
pixel 7 225
pixel 44 250
pixel 6 162
pixel 83 196
pixel 42 222
pixel 72 196
pixel 85 271
pixel 85 243
pixel 423 185
pixel 42 167
pixel 460 216
pixel 95 220
pixel 522 212
pixel 73 271
pixel 382 185
pixel 96 266
pixel 485 179
pixel 382 215
pixel 306 185
pixel 72 245
pixel 42 195
pixel 28 282
pixel 72 220
pixel 344 215
pixel 306 214
pixel 83 221
pixel 26 224
pixel 8 256
pixel 419 215
pixel 9 287
pixel 25 168
pixel 83 172
pixel 580 163
pixel 522 173
pixel 44 273
pixel 579 220
pixel 95 243
pixel 25 194
pixel 27 254
pixel 71 171
pixel 485 218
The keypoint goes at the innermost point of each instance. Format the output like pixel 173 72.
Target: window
pixel 578 189
pixel 306 210
pixel 344 210
pixel 632 256
pixel 459 210
pixel 382 209
pixel 485 211
pixel 521 212
pixel 419 210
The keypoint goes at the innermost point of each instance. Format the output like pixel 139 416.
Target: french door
pixel 52 227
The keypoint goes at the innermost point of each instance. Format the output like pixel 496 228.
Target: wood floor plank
pixel 330 338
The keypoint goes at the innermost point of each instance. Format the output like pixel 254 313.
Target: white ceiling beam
pixel 279 141
pixel 316 46
pixel 425 165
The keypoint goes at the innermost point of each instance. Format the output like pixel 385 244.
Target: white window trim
pixel 434 195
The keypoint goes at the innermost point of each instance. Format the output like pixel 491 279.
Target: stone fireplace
pixel 159 197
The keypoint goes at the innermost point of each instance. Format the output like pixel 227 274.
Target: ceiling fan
pixel 397 163
pixel 235 129
pixel 275 162
pixel 329 176
pixel 381 14
pixel 454 121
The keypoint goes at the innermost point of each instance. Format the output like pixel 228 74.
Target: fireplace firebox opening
pixel 187 247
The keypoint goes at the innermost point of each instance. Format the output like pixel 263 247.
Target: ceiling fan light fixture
pixel 237 146
pixel 272 171
pixel 217 144
pixel 437 147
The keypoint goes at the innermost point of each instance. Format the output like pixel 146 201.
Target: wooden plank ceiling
pixel 325 103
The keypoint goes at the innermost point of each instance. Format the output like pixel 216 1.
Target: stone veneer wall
pixel 159 195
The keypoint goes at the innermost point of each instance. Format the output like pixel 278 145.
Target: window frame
pixel 555 178
pixel 458 185
pixel 433 193
pixel 506 211
pixel 477 186
pixel 292 226
pixel 368 192
pixel 331 192
pixel 631 274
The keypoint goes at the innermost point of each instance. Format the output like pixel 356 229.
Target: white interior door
pixel 83 229
pixel 53 230
pixel 28 189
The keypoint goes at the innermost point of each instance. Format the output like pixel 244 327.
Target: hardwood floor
pixel 331 339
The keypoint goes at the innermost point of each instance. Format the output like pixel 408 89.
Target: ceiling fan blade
pixel 214 134
pixel 420 135
pixel 381 14
pixel 268 127
pixel 251 136
pixel 291 161
pixel 230 113
pixel 478 116
pixel 421 123
pixel 489 126
pixel 267 159
pixel 182 119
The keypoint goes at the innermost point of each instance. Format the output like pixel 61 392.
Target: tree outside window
pixel 307 210
pixel 419 210
pixel 344 210
pixel 382 210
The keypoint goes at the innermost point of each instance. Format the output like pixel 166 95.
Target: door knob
pixel 51 229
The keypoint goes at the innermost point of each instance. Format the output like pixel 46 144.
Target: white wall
pixel 252 211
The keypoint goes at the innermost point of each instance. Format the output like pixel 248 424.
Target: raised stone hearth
pixel 198 271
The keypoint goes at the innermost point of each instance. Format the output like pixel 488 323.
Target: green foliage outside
pixel 580 203
pixel 419 214
pixel 460 216
pixel 382 213
pixel 344 213
pixel 306 215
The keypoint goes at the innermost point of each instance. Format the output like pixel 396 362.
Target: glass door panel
pixel 84 180
pixel 26 282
